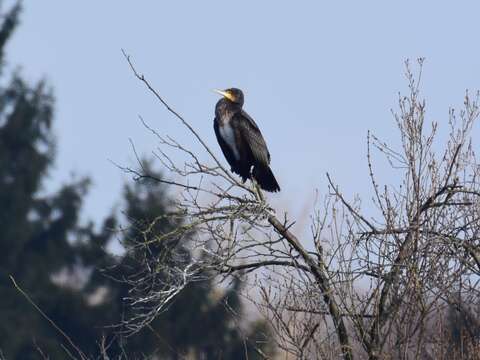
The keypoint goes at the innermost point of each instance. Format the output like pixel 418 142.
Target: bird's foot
pixel 258 191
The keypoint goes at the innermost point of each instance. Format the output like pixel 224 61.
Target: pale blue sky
pixel 317 75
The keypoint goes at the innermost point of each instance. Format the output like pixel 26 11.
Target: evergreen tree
pixel 34 242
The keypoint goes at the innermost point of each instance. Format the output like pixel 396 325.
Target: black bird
pixel 241 141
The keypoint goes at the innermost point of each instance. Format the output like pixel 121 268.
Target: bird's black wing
pixel 252 136
pixel 225 148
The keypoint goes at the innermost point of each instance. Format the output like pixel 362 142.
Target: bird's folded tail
pixel 264 177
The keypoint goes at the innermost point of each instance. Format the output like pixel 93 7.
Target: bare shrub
pixel 369 286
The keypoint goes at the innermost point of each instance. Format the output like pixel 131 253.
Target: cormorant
pixel 241 141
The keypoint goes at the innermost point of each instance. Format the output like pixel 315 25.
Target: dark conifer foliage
pixel 39 237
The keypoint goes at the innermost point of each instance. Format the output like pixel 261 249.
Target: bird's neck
pixel 225 109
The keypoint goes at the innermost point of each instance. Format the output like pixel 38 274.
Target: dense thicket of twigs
pixel 383 286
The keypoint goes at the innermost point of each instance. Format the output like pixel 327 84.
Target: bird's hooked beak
pixel 225 94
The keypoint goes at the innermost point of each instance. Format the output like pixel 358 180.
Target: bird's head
pixel 233 94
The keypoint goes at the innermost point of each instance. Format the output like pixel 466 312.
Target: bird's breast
pixel 228 135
